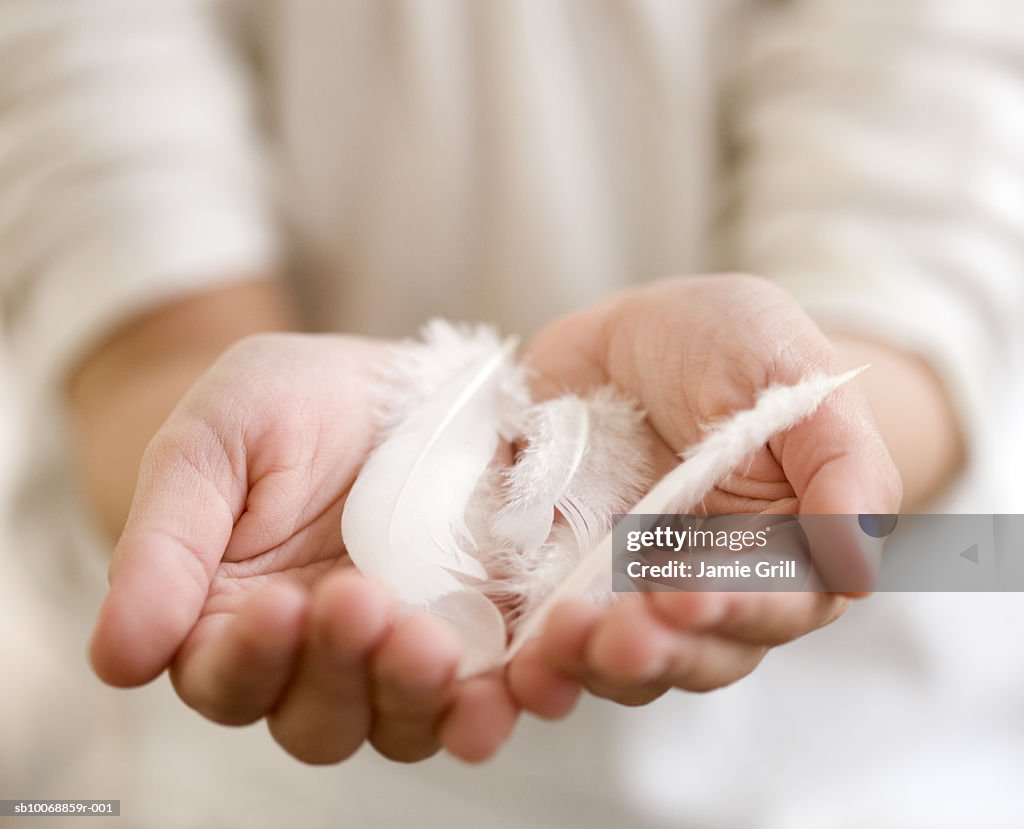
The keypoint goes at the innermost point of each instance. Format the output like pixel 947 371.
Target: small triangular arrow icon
pixel 971 553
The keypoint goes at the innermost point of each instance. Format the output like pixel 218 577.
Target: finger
pixel 673 658
pixel 233 668
pixel 633 695
pixel 326 714
pixel 629 654
pixel 755 618
pixel 539 688
pixel 630 646
pixel 839 466
pixel 607 669
pixel 706 663
pixel 480 720
pixel 563 643
pixel 413 683
pixel 188 497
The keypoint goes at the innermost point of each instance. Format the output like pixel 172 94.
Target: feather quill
pixel 724 447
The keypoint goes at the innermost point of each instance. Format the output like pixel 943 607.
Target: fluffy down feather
pixel 582 461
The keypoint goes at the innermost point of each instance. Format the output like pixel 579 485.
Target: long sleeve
pixel 879 176
pixel 130 170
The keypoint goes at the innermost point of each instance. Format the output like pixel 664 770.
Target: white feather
pixel 725 446
pixel 405 517
pixel 556 436
pixel 580 457
pixel 415 369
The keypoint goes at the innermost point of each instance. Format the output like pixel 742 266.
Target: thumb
pixel 839 466
pixel 188 497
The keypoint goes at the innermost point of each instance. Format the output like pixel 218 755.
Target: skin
pixel 229 570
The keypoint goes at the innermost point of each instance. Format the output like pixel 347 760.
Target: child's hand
pixel 692 350
pixel 230 570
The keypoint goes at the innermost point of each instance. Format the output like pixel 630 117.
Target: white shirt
pixel 510 161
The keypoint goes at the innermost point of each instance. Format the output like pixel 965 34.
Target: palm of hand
pixel 279 432
pixel 692 351
pixel 231 570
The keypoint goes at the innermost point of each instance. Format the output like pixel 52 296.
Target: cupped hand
pixel 693 350
pixel 231 571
